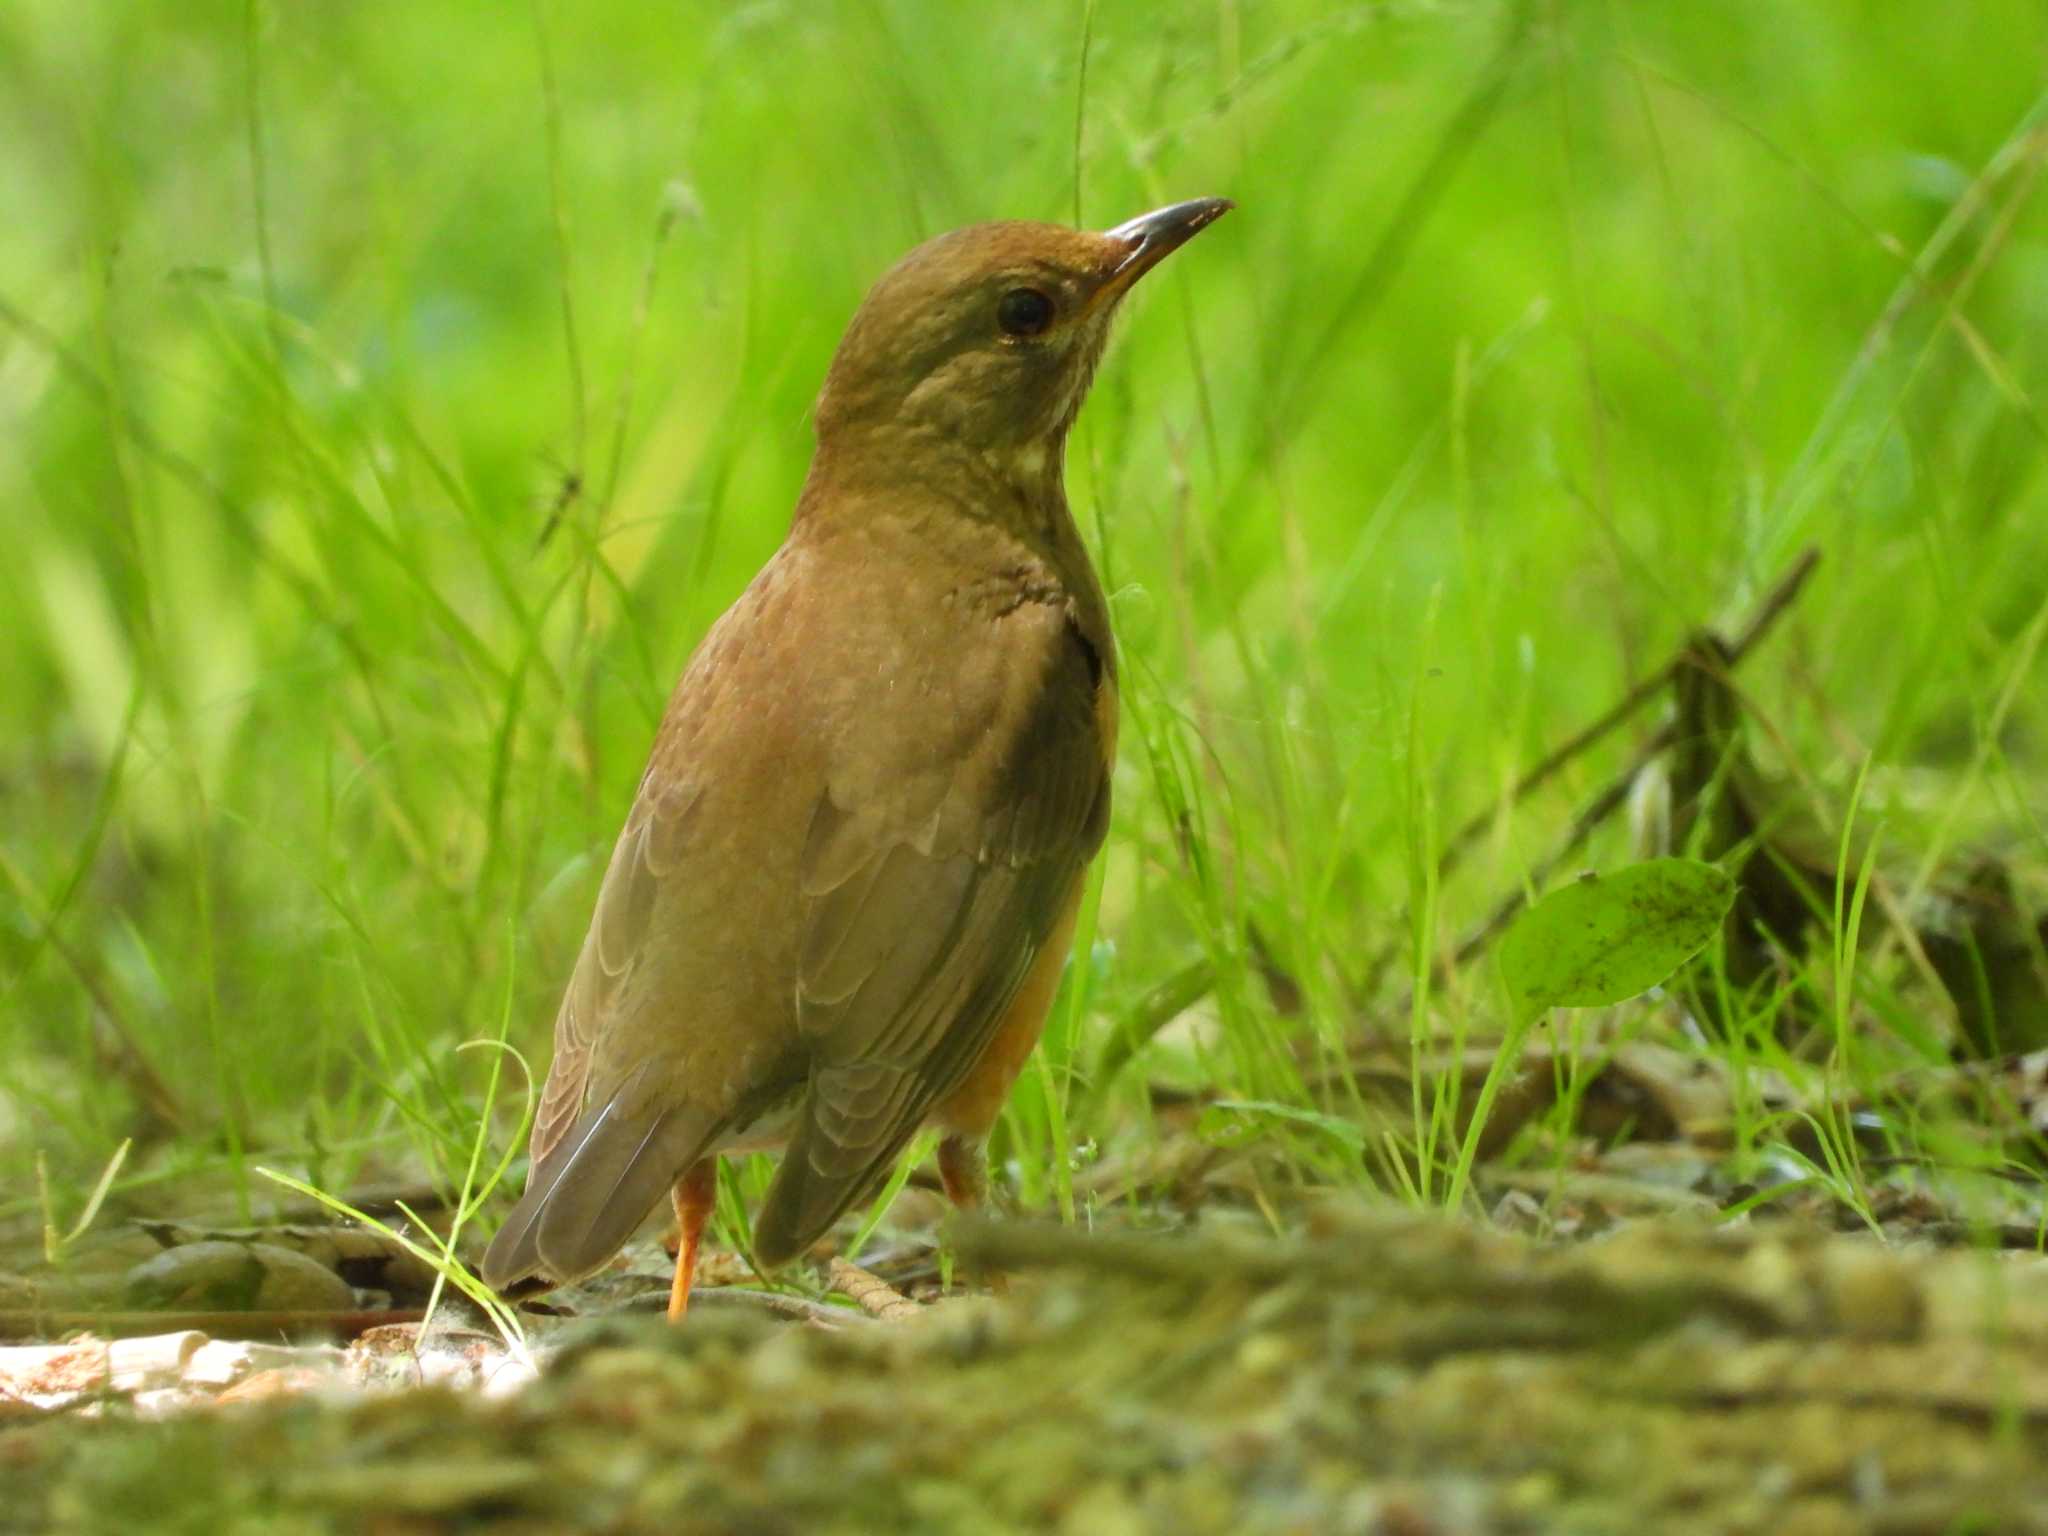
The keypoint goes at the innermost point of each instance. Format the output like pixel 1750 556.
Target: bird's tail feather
pixel 596 1185
pixel 804 1200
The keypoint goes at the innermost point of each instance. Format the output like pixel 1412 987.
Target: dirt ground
pixel 1380 1374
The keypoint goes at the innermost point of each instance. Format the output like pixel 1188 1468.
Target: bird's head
pixel 988 336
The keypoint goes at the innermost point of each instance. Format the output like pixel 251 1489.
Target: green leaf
pixel 1605 938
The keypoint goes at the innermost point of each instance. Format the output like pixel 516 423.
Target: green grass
pixel 1543 335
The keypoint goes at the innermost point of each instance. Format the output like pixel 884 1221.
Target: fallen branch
pixel 1187 986
pixel 1612 795
pixel 871 1293
pixel 779 1304
pixel 48 1324
pixel 1768 612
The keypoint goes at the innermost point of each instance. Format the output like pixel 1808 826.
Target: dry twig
pixel 871 1293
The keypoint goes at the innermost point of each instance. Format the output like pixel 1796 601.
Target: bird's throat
pixel 1021 485
pixel 1035 476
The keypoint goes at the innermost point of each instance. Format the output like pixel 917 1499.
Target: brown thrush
pixel 842 899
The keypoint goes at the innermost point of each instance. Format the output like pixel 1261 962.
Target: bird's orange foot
pixel 963 1171
pixel 695 1194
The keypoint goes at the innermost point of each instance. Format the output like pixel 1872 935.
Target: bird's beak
pixel 1151 237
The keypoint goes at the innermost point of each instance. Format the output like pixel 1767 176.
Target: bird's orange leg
pixel 695 1194
pixel 963 1170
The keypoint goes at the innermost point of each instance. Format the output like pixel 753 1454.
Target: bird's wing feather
pixel 594 1186
pixel 649 849
pixel 604 1151
pixel 931 878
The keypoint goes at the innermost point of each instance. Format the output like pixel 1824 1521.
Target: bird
pixel 844 895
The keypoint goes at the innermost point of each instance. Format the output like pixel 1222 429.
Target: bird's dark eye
pixel 1024 312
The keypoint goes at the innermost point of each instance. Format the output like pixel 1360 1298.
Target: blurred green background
pixel 1542 335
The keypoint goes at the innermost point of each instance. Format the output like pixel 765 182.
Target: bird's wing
pixel 931 878
pixel 649 849
pixel 678 1021
pixel 597 1167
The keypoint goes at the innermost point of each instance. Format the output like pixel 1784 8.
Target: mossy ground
pixel 1380 1375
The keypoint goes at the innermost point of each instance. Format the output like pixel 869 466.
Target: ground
pixel 1380 1374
